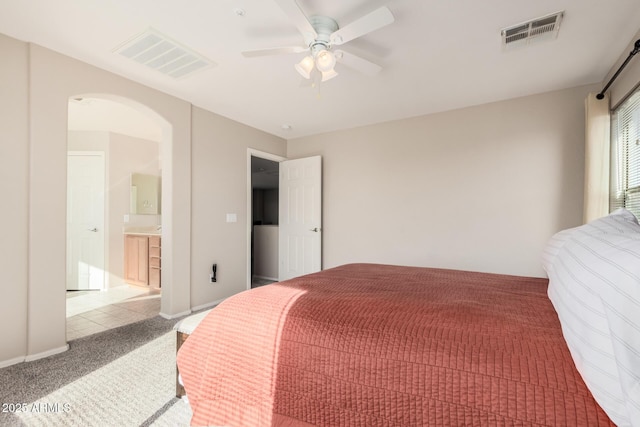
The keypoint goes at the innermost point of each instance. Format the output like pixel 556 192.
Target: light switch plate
pixel 231 217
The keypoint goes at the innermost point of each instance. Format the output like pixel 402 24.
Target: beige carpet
pixel 135 389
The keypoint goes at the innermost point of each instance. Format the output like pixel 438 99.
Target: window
pixel 625 156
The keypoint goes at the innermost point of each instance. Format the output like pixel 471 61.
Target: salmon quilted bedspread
pixel 380 345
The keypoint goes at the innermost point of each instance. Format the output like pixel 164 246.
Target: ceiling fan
pixel 321 34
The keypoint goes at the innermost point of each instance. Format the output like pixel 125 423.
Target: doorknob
pixel 94 229
pixel 315 229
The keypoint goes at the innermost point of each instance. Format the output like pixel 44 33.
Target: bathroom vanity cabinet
pixel 154 261
pixel 142 261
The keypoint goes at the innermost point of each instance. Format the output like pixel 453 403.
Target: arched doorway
pixel 117 142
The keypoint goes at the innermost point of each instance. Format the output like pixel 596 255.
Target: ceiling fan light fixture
pixel 325 61
pixel 328 75
pixel 316 78
pixel 305 66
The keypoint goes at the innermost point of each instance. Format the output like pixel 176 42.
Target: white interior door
pixel 300 217
pixel 85 221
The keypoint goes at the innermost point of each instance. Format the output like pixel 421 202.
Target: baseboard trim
pixel 193 309
pixel 47 353
pixel 207 305
pixel 175 316
pixel 14 361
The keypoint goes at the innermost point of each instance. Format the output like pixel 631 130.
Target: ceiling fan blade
pixel 274 51
pixel 372 21
pixel 357 63
pixel 293 11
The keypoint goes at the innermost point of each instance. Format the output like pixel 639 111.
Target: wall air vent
pixel 157 51
pixel 535 30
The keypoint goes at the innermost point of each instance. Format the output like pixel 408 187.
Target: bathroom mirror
pixel 145 194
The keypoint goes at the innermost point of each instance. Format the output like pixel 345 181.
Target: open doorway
pixel 99 295
pixel 299 226
pixel 264 221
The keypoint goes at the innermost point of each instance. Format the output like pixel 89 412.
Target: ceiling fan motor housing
pixel 324 27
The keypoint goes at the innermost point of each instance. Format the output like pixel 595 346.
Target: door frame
pixel 263 155
pixel 105 219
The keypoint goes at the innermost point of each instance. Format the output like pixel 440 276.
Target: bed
pixel 384 345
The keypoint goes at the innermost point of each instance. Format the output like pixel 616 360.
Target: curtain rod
pixel 636 49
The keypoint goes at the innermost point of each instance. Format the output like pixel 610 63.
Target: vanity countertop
pixel 145 231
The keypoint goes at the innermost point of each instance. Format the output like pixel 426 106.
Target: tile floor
pixel 89 312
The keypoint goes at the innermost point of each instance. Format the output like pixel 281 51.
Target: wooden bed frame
pixel 183 329
pixel 181 337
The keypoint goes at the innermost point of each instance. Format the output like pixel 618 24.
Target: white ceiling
pixel 438 55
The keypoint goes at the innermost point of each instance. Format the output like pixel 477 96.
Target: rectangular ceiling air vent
pixel 535 30
pixel 162 54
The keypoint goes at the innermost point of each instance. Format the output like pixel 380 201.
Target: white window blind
pixel 625 156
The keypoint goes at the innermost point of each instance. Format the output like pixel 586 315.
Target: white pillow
pixel 594 285
pixel 553 247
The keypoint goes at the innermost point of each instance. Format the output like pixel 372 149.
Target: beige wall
pixel 220 183
pixel 480 188
pixel 34 144
pixel 14 188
